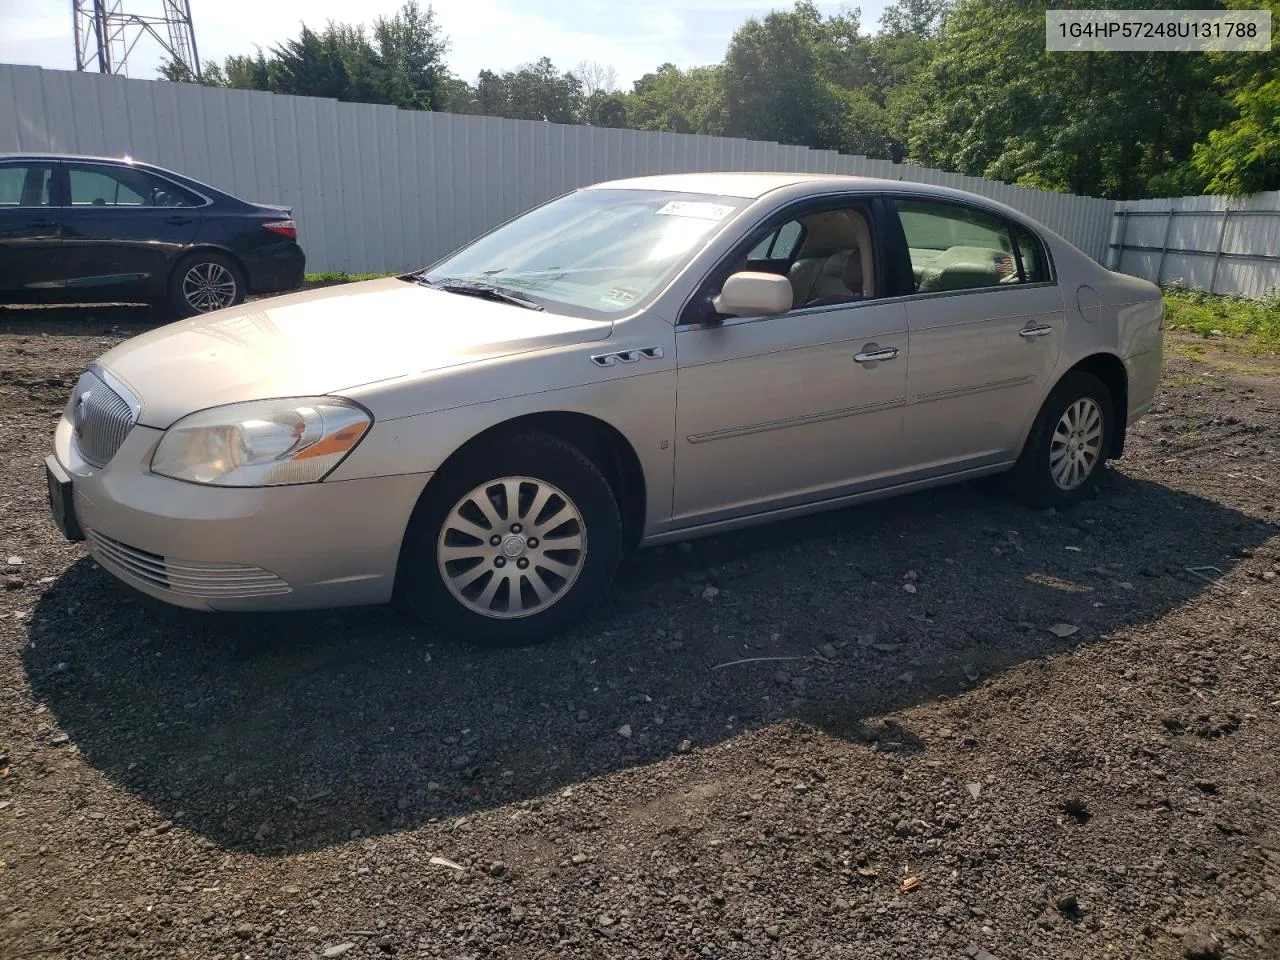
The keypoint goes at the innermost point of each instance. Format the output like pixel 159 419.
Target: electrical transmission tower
pixel 106 34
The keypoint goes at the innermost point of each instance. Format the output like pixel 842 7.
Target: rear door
pixel 29 227
pixel 985 325
pixel 123 227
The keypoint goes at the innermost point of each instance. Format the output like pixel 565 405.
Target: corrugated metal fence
pixel 379 189
pixel 1218 244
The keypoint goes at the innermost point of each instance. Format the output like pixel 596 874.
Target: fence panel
pixel 376 189
pixel 1218 244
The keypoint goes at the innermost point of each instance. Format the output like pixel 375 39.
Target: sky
pixel 632 37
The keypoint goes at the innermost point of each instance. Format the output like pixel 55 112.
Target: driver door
pixel 791 409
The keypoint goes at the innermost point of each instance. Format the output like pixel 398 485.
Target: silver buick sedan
pixel 637 362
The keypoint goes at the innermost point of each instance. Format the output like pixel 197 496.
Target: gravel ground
pixel 996 733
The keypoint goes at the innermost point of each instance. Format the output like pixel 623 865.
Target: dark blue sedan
pixel 89 229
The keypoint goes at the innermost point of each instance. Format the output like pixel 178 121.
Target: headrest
pixel 827 232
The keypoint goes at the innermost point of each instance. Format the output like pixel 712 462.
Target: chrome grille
pixel 100 417
pixel 210 581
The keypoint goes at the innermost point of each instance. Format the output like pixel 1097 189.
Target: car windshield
pixel 593 253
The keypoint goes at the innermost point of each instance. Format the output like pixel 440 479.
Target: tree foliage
pixel 963 85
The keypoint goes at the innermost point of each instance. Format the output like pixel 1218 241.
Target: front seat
pixel 835 261
pixel 839 279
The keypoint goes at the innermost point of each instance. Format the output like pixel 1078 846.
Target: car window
pixel 761 250
pixel 596 252
pixel 780 244
pixel 25 184
pixel 834 257
pixel 955 247
pixel 101 186
pixel 1034 267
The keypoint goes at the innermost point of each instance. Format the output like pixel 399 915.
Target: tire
pixel 1060 466
pixel 452 573
pixel 203 282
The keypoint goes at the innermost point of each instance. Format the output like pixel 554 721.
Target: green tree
pixel 917 18
pixel 248 73
pixel 797 77
pixel 993 103
pixel 772 86
pixel 411 50
pixel 678 101
pixel 311 65
pixel 603 109
pixel 1243 155
pixel 211 75
pixel 533 91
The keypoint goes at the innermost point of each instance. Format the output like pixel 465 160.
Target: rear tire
pixel 203 282
pixel 1063 458
pixel 513 543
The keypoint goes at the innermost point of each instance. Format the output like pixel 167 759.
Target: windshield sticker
pixel 697 209
pixel 619 296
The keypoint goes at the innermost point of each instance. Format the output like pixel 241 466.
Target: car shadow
pixel 280 734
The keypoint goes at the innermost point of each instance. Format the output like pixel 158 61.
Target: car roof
pixel 752 186
pixel 125 161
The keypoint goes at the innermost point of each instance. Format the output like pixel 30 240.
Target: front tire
pixel 1062 460
pixel 203 282
pixel 512 543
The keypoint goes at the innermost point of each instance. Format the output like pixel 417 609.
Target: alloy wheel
pixel 1076 445
pixel 512 547
pixel 209 286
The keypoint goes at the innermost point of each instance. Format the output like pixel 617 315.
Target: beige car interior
pixel 962 267
pixel 834 261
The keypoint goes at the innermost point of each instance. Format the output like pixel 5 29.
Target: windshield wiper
pixel 487 291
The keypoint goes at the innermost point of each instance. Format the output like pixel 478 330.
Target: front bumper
pixel 328 544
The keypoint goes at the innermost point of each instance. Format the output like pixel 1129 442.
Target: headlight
pixel 261 443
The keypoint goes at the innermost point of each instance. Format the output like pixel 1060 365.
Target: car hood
pixel 324 341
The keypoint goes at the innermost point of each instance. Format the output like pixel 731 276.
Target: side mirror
pixel 749 294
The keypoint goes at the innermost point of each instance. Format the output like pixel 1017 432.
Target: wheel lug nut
pixel 516 528
pixel 499 561
pixel 495 540
pixel 533 543
pixel 522 563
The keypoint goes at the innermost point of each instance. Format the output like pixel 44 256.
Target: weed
pixel 1213 315
pixel 338 276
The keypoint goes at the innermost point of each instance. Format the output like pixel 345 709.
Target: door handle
pixel 40 222
pixel 1043 330
pixel 871 356
pixel 178 221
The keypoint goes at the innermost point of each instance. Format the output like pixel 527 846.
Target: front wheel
pixel 1062 460
pixel 512 543
pixel 203 282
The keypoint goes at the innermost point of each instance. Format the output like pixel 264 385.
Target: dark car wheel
pixel 203 282
pixel 513 543
pixel 1063 458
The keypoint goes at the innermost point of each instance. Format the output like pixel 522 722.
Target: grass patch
pixel 337 276
pixel 1212 315
pixel 1192 351
pixel 1185 380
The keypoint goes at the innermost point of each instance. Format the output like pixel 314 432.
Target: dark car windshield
pixel 593 253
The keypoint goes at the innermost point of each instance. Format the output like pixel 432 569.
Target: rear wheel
pixel 1062 460
pixel 205 281
pixel 513 543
